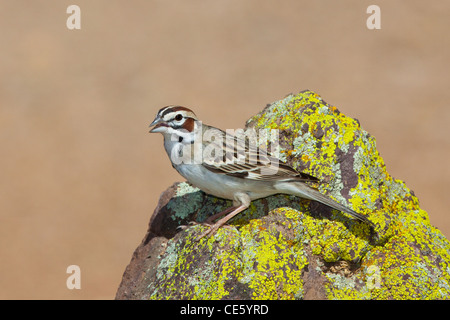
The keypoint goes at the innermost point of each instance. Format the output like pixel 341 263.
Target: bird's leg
pixel 221 222
pixel 219 215
pixel 208 221
pixel 241 202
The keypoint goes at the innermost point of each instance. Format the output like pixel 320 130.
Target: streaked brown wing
pixel 244 161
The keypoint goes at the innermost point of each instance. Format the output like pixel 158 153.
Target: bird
pixel 231 167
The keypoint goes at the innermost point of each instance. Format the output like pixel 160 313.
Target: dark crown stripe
pixel 173 109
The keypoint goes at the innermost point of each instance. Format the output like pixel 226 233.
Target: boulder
pixel 285 247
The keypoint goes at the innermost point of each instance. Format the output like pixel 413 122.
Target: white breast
pixel 221 185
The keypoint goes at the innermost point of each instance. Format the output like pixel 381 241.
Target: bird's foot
pixel 212 229
pixel 192 223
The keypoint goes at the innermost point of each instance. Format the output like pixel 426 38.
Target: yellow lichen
pixel 266 252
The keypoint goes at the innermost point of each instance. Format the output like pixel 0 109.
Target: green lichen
pixel 262 259
pixel 264 253
pixel 179 271
pixel 181 208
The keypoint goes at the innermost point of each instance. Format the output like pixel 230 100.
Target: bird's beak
pixel 159 125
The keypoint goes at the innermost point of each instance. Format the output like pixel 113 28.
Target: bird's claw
pixel 190 224
pixel 208 233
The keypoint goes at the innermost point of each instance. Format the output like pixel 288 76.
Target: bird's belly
pixel 224 186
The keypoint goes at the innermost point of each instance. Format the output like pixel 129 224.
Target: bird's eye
pixel 178 117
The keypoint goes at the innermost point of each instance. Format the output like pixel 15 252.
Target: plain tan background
pixel 80 175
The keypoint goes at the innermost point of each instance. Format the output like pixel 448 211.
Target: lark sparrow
pixel 237 172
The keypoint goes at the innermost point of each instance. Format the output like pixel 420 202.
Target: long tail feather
pixel 302 190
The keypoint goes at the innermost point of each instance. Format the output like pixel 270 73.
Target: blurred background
pixel 81 175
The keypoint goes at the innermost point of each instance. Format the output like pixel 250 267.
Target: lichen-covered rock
pixel 283 247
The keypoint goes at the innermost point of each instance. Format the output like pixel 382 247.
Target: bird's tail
pixel 304 191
